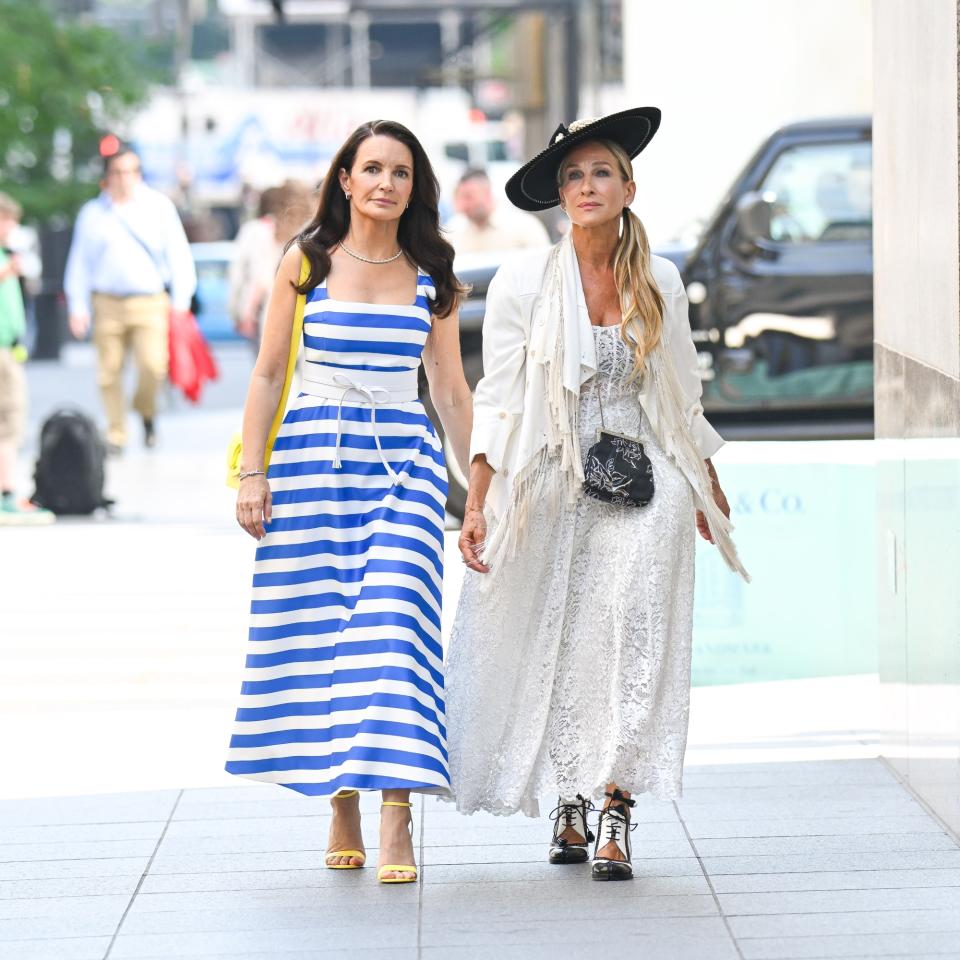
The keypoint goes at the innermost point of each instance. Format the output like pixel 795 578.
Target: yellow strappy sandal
pixel 354 854
pixel 395 867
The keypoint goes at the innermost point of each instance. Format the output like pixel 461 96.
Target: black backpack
pixel 69 472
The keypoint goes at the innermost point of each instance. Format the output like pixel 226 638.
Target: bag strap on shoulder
pixel 292 354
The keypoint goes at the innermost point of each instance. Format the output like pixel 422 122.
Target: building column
pixel 917 388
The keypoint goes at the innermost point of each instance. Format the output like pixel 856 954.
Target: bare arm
pixel 716 491
pixel 474 530
pixel 449 391
pixel 263 395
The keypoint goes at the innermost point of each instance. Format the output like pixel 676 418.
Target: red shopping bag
pixel 191 363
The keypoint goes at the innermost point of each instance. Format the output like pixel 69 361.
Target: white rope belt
pixel 340 386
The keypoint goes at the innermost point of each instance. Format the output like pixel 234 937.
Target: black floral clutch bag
pixel 618 470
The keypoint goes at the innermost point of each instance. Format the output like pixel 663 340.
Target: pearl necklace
pixel 358 256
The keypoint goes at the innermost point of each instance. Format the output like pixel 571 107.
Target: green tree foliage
pixel 62 85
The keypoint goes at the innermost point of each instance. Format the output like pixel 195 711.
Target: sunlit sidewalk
pixel 121 650
pixel 771 860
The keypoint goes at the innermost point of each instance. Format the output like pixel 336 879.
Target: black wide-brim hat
pixel 534 185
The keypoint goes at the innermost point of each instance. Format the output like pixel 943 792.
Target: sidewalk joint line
pixel 706 876
pixel 143 876
pixel 931 812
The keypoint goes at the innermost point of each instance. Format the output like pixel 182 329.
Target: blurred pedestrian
pixel 479 225
pixel 129 265
pixel 260 243
pixel 253 244
pixel 344 684
pixel 569 660
pixel 13 388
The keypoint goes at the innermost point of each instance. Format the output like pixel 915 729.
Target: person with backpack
pixel 129 266
pixel 13 392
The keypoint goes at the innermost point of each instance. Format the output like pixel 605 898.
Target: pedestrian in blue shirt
pixel 129 266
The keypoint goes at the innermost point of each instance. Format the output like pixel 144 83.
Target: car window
pixel 457 151
pixel 496 151
pixel 821 193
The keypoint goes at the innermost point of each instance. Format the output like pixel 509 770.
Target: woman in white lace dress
pixel 569 663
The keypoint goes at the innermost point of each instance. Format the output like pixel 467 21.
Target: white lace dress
pixel 570 668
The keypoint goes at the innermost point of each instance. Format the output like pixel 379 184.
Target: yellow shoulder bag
pixel 235 446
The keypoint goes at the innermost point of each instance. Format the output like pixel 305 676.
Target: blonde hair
pixel 641 301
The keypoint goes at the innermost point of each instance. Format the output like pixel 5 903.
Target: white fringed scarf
pixel 555 470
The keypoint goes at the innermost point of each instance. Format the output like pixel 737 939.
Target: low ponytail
pixel 641 300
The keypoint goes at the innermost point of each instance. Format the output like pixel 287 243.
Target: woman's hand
pixel 473 534
pixel 254 505
pixel 719 497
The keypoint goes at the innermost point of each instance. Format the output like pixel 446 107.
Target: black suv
pixel 781 281
pixel 780 285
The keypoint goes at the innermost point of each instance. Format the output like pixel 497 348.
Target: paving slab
pixel 11 836
pixel 79 948
pixel 824 773
pixel 791 807
pixel 833 901
pixel 105 808
pixel 688 936
pixel 536 852
pixel 317 900
pixel 836 880
pixel 65 908
pixel 651 875
pixel 772 864
pixel 76 850
pixel 931 840
pixel 856 922
pixel 214 863
pixel 914 946
pixel 97 923
pixel 586 906
pixel 60 887
pixel 704 828
pixel 652 947
pixel 316 920
pixel 272 942
pixel 238 880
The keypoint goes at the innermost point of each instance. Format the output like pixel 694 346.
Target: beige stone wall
pixel 915 181
pixel 917 376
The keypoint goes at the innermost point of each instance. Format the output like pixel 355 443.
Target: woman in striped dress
pixel 343 689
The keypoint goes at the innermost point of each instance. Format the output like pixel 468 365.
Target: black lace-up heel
pixel 615 827
pixel 570 814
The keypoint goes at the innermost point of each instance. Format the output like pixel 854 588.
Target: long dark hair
pixel 419 229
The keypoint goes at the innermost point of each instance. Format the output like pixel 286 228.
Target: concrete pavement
pixel 121 645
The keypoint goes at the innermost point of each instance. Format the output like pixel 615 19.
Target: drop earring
pixel 347 195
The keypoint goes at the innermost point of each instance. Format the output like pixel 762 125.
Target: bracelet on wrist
pixel 243 474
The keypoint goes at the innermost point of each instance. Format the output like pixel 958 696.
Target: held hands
pixel 720 499
pixel 472 537
pixel 254 505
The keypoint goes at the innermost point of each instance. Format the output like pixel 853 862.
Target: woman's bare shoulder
pixel 290 263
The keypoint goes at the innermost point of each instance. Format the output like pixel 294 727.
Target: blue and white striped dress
pixel 343 685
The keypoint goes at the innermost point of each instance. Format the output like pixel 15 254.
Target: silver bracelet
pixel 243 474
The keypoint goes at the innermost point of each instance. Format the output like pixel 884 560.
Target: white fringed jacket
pixel 538 349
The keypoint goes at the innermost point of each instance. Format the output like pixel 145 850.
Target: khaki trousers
pixel 13 397
pixel 119 324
